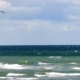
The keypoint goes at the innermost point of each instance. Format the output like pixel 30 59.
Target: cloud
pixel 37 32
pixel 38 25
pixel 69 27
pixel 40 9
pixel 75 2
pixel 39 21
pixel 18 12
pixel 4 4
pixel 8 28
pixel 69 2
pixel 73 17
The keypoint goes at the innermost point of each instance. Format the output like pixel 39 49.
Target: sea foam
pixel 11 66
pixel 55 74
pixel 15 74
pixel 76 68
pixel 42 63
pixel 15 78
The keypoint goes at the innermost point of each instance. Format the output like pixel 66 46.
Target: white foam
pixel 7 78
pixel 1 65
pixel 73 63
pixel 27 78
pixel 58 57
pixel 48 67
pixel 51 56
pixel 15 74
pixel 17 66
pixel 33 67
pixel 55 57
pixel 55 74
pixel 26 61
pixel 42 63
pixel 15 78
pixel 11 66
pixel 75 51
pixel 76 68
pixel 39 75
pixel 4 77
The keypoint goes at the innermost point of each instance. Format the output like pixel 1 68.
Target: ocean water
pixel 40 62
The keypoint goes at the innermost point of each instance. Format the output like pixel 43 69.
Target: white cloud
pixel 43 9
pixel 66 28
pixel 4 4
pixel 15 12
pixel 37 25
pixel 75 2
pixel 69 2
pixel 48 20
pixel 36 31
pixel 8 28
pixel 73 17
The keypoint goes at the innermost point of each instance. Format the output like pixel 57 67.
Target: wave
pixel 21 67
pixel 76 68
pixel 15 74
pixel 11 66
pixel 14 78
pixel 39 75
pixel 58 57
pixel 48 67
pixel 73 63
pixel 55 74
pixel 27 79
pixel 42 63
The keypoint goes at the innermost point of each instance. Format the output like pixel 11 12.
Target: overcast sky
pixel 40 22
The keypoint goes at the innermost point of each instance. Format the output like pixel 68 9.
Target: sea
pixel 40 62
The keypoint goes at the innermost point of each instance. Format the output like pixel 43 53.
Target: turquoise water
pixel 39 67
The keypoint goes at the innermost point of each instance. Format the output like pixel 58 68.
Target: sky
pixel 40 22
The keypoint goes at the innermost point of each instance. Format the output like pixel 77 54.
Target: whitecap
pixel 26 61
pixel 7 78
pixel 42 63
pixel 51 56
pixel 58 57
pixel 33 67
pixel 75 51
pixel 73 63
pixel 15 78
pixel 55 74
pixel 11 66
pixel 48 67
pixel 1 65
pixel 55 57
pixel 15 74
pixel 39 75
pixel 76 68
pixel 27 78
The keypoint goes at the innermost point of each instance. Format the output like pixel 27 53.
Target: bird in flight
pixel 2 12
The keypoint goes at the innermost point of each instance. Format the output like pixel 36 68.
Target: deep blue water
pixel 40 50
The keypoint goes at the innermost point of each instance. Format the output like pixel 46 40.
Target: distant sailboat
pixel 2 12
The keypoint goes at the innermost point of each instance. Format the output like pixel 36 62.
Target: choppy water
pixel 40 62
pixel 39 68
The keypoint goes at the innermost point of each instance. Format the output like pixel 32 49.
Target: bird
pixel 2 12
